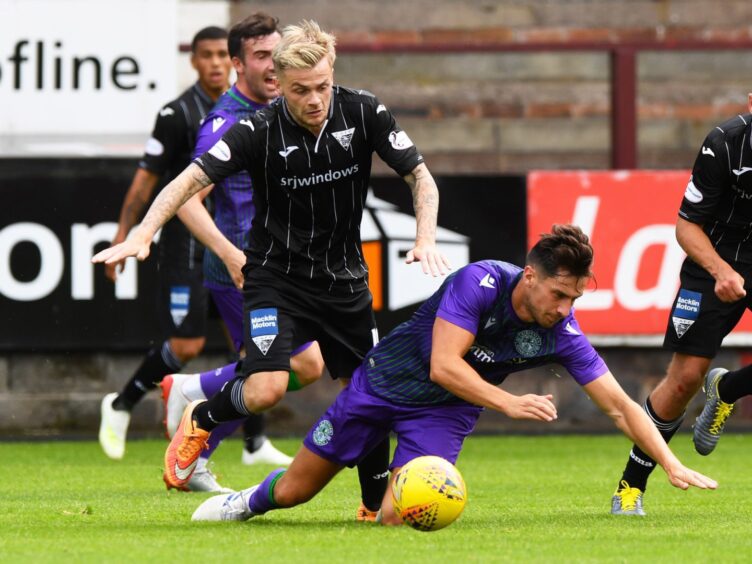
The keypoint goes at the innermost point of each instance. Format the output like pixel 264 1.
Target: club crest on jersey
pixel 180 299
pixel 527 343
pixel 686 311
pixel 344 137
pixel 399 140
pixel 264 328
pixel 323 433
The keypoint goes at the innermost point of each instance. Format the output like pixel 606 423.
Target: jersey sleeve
pixel 163 145
pixel 709 177
pixel 577 355
pixel 231 154
pixel 465 299
pixel 211 131
pixel 391 143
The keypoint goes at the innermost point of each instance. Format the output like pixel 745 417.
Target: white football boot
pixel 204 480
pixel 227 507
pixel 267 454
pixel 113 428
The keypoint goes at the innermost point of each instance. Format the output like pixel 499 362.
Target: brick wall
pixel 512 111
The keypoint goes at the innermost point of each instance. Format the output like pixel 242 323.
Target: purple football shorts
pixel 357 421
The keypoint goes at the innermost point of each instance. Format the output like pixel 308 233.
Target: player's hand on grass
pixel 430 259
pixel 682 477
pixel 135 246
pixel 729 285
pixel 531 406
pixel 235 261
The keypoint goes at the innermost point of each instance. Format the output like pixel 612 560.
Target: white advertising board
pixel 83 67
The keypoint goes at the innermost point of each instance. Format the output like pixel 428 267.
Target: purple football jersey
pixel 477 298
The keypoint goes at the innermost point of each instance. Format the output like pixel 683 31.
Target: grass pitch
pixel 531 499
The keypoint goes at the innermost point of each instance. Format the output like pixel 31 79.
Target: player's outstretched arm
pixel 172 196
pixel 450 371
pixel 634 422
pixel 197 219
pixel 135 201
pixel 426 206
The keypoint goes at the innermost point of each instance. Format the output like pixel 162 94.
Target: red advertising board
pixel 630 217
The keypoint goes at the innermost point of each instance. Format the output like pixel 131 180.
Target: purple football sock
pixel 262 499
pixel 223 431
pixel 213 380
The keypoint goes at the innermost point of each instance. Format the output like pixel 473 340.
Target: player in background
pixel 181 297
pixel 429 379
pixel 250 43
pixel 309 157
pixel 713 228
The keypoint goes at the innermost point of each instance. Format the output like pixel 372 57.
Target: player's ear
pixel 749 102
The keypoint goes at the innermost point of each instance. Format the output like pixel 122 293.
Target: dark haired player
pixel 713 228
pixel 181 298
pixel 429 379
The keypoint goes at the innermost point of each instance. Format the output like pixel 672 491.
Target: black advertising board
pixel 56 212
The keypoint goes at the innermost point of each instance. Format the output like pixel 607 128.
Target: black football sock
pixel 158 363
pixel 253 432
pixel 225 405
pixel 373 474
pixel 735 385
pixel 640 464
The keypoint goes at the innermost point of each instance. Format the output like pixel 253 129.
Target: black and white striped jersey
pixel 170 147
pixel 719 192
pixel 168 151
pixel 309 192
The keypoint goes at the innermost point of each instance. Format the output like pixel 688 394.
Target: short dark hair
pixel 565 249
pixel 255 25
pixel 211 32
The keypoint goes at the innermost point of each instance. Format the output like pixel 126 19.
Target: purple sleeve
pixel 211 131
pixel 465 299
pixel 577 355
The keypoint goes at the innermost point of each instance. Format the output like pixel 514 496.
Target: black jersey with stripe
pixel 168 151
pixel 719 192
pixel 310 191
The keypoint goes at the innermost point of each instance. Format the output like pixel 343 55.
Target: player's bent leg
pixel 683 380
pixel 115 409
pixel 308 474
pixel 264 390
pixel 186 349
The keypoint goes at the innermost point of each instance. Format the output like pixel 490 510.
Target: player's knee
pixel 308 365
pixel 686 374
pixel 186 350
pixel 264 390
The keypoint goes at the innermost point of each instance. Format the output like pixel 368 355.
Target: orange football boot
pixel 185 447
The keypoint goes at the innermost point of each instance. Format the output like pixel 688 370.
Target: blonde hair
pixel 302 47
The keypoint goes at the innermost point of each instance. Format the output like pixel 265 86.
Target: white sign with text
pixel 85 66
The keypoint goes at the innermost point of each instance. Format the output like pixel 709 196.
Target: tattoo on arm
pixel 174 195
pixel 425 202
